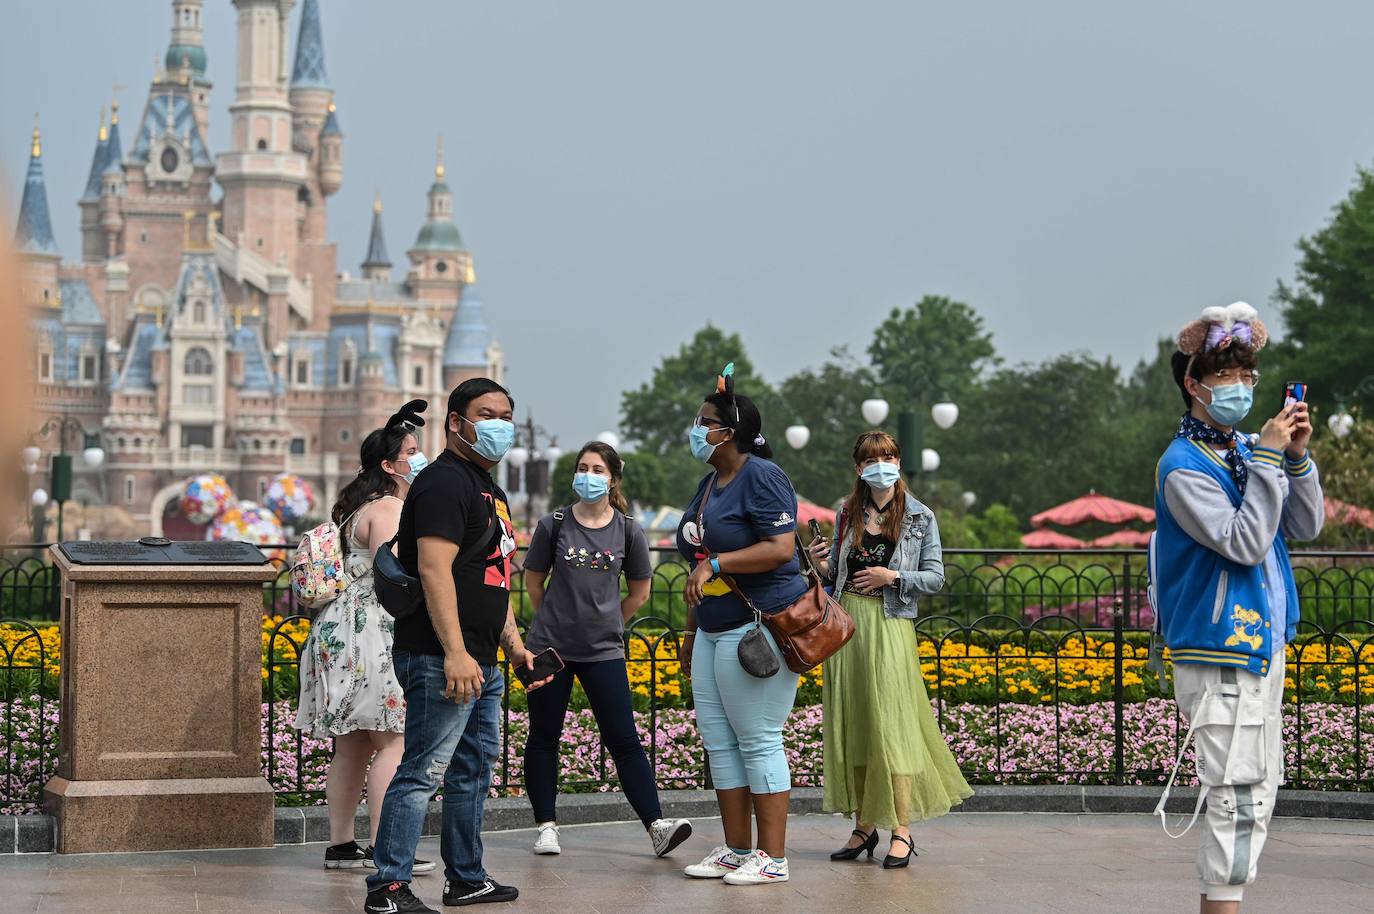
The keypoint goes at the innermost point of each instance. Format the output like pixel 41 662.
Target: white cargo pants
pixel 1236 719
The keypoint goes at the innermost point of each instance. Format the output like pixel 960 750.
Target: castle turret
pixel 377 265
pixel 469 350
pixel 185 59
pixel 113 189
pixel 33 235
pixel 438 262
pixel 92 242
pixel 312 99
pixel 331 153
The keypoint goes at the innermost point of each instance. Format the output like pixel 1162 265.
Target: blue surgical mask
pixel 494 437
pixel 591 486
pixel 417 462
pixel 881 475
pixel 1230 403
pixel 701 448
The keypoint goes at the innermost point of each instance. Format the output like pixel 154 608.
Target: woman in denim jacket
pixel 886 761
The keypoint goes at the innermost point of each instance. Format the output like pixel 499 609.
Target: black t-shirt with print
pixel 456 500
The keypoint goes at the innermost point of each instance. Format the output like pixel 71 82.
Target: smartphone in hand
pixel 1294 392
pixel 546 663
pixel 815 529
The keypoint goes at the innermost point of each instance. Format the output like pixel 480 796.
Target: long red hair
pixel 869 445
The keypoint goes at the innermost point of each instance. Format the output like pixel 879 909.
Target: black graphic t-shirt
pixel 457 500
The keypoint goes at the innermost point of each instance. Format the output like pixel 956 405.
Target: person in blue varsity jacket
pixel 1222 585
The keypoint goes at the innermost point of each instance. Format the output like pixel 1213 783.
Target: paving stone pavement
pixel 972 862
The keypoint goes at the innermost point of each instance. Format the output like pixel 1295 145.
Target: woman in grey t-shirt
pixel 572 575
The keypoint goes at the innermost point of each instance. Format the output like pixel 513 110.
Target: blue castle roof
pixel 308 71
pixel 33 234
pixel 469 337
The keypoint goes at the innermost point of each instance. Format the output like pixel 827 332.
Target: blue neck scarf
pixel 1197 430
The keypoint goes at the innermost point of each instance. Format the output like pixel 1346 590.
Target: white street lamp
pixel 93 456
pixel 1341 423
pixel 30 468
pixel 518 456
pixel 874 410
pixel 40 497
pixel 610 438
pixel 797 436
pixel 553 452
pixel 945 414
pixel 930 460
pixel 31 455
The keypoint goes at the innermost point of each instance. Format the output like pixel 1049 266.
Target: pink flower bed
pixel 1025 745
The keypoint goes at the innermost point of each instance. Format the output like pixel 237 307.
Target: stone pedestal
pixel 161 708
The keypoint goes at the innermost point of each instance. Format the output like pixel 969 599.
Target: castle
pixel 203 334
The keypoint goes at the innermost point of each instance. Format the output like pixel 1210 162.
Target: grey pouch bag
pixel 756 655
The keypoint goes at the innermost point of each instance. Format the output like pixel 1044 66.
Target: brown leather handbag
pixel 813 628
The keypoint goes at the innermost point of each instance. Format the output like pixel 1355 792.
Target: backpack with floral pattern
pixel 317 569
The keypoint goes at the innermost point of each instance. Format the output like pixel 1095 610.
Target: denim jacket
pixel 917 560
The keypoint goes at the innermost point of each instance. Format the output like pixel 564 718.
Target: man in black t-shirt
pixel 456 536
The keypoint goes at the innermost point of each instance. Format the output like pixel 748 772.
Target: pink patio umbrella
pixel 1123 539
pixel 1051 539
pixel 1094 507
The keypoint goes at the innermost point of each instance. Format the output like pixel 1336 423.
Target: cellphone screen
pixel 1294 392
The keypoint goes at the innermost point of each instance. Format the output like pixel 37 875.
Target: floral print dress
pixel 346 675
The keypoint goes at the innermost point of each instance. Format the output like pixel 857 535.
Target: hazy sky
pixel 1088 175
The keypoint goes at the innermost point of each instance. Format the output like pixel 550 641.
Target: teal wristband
pixel 715 564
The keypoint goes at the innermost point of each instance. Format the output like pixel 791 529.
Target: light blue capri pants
pixel 741 717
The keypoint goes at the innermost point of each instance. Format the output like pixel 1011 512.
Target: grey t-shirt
pixel 580 616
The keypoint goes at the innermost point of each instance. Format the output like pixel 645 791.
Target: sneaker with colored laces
pixel 347 856
pixel 489 891
pixel 720 861
pixel 396 898
pixel 547 842
pixel 668 834
pixel 759 869
pixel 417 868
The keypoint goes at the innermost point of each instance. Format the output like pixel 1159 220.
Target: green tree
pixel 826 400
pixel 938 348
pixel 1347 469
pixel 658 413
pixel 1329 311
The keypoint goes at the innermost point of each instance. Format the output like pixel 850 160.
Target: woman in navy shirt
pixel 747 531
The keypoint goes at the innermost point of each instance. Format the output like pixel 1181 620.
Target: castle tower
pixel 185 60
pixel 262 174
pixel 438 262
pixel 92 244
pixel 377 265
pixel 113 190
pixel 33 235
pixel 469 351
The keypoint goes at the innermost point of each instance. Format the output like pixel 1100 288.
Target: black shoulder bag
pixel 400 592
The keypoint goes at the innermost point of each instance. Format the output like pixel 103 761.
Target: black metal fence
pixel 1034 662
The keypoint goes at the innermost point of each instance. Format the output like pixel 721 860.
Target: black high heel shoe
pixel 895 863
pixel 852 853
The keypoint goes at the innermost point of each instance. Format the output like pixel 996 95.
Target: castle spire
pixel 469 337
pixel 439 161
pixel 33 234
pixel 187 47
pixel 308 71
pixel 377 265
pixel 114 151
pixel 98 159
pixel 439 233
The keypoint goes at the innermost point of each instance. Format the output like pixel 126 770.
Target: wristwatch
pixel 714 560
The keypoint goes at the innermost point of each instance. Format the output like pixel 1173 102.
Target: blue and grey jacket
pixel 917 559
pixel 1212 597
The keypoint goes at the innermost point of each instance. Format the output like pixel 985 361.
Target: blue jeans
pixel 741 717
pixel 448 744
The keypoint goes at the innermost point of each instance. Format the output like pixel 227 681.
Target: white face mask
pixel 417 462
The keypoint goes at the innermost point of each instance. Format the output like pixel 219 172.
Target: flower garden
pixel 1019 710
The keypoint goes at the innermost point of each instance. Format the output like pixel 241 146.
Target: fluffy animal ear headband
pixel 1219 327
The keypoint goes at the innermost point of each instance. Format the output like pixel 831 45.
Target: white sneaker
pixel 547 842
pixel 720 861
pixel 668 834
pixel 758 869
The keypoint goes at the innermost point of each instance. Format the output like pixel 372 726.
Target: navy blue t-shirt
pixel 759 502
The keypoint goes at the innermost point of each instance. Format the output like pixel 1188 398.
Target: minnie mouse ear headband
pixel 409 415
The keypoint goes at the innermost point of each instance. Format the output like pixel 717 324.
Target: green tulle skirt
pixel 885 758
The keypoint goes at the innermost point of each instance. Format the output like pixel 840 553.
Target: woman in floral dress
pixel 349 691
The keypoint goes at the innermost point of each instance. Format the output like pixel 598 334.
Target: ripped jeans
pixel 446 744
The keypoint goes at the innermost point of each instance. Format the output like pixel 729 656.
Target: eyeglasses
pixel 707 422
pixel 1248 378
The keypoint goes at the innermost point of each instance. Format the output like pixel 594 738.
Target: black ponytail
pixel 738 412
pixel 372 481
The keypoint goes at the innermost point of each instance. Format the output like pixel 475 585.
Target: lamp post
pixel 60 468
pixel 532 465
pixel 910 434
pixel 1341 422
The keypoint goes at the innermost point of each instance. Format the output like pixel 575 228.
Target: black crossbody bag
pixel 400 592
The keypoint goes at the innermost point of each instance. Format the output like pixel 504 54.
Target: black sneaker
pixel 457 894
pixel 345 857
pixel 418 868
pixel 396 898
